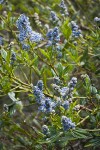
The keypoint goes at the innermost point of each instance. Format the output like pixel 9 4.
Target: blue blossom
pixel 59 102
pixel 47 106
pixel 71 85
pixel 22 36
pixel 25 30
pixel 13 57
pixel 62 5
pixel 67 123
pixel 72 82
pixel 45 130
pixel 49 34
pixel 59 51
pixel 65 104
pixel 67 91
pixel 45 103
pixel 1 40
pixel 38 95
pixel 58 47
pixel 64 10
pixel 55 33
pixel 22 22
pixel 64 91
pixel 53 36
pixel 96 19
pixel 74 25
pixel 35 37
pixel 25 46
pixel 56 80
pixel 76 32
pixel 54 17
pixel 56 88
pixel 40 85
pixel 59 55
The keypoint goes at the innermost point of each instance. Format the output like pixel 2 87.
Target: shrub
pixel 49 76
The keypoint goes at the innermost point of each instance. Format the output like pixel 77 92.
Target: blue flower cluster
pixel 53 36
pixel 45 130
pixel 96 19
pixel 38 93
pixel 56 89
pixel 40 85
pixel 56 80
pixel 25 30
pixel 64 10
pixel 54 17
pixel 59 50
pixel 66 104
pixel 76 32
pixel 25 46
pixel 72 83
pixel 46 104
pixel 13 57
pixel 1 40
pixel 67 123
pixel 64 91
pixel 67 91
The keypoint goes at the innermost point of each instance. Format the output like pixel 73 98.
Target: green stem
pixel 93 130
pixel 16 79
pixel 82 121
pixel 30 77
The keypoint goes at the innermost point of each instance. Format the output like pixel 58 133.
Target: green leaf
pixel 72 56
pixel 51 139
pixel 3 54
pixel 1 146
pixel 98 96
pixel 12 109
pixel 93 90
pixel 34 61
pixel 5 83
pixel 12 96
pixel 64 140
pixel 62 109
pixel 44 53
pixel 66 30
pixel 19 106
pixel 80 133
pixel 60 69
pixel 94 143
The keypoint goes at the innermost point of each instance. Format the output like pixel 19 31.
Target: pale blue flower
pixel 67 123
pixel 45 130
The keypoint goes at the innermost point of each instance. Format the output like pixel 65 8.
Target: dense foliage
pixel 49 75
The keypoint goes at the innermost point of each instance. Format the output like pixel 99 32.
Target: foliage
pixel 49 75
